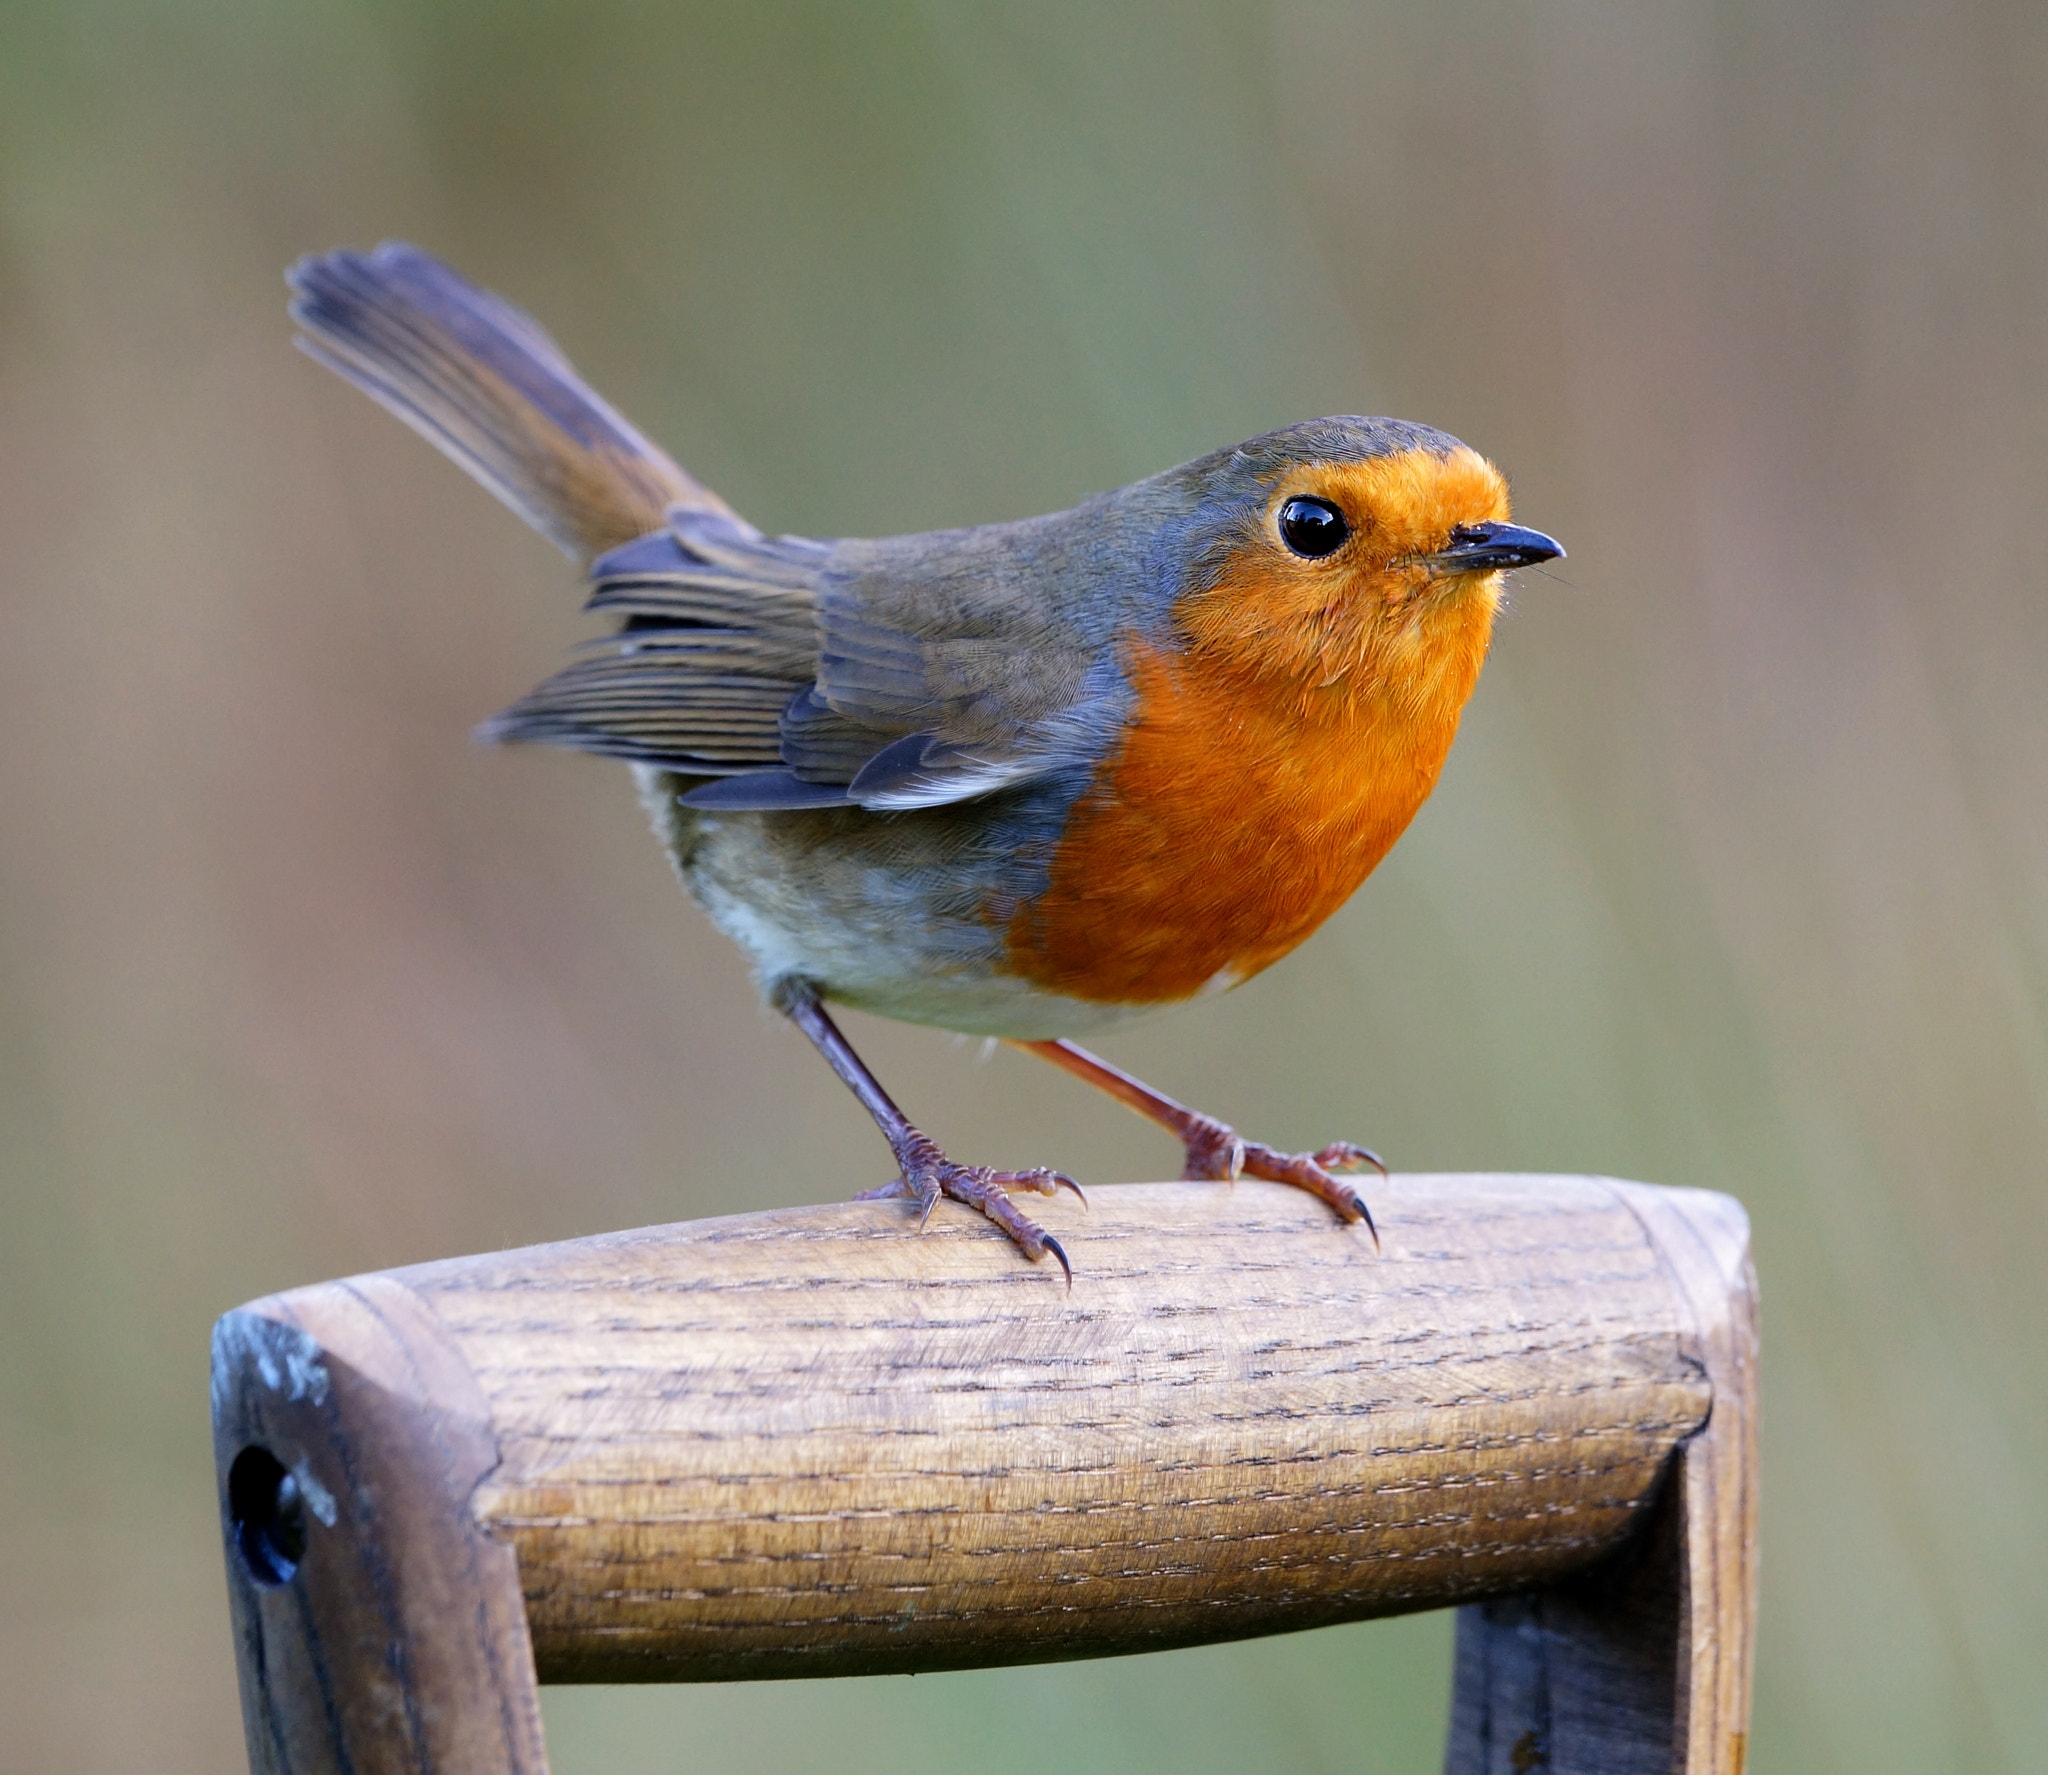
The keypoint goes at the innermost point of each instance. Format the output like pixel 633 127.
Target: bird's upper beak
pixel 1488 548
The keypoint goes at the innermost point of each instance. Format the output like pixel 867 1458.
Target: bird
pixel 1021 780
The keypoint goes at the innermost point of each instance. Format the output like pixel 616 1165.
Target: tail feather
pixel 480 380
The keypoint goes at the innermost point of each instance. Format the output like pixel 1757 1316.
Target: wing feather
pixel 891 675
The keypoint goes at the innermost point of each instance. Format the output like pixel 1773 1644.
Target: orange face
pixel 1279 745
pixel 1374 604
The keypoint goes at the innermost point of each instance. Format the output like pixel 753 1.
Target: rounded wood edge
pixel 376 1625
pixel 1703 1237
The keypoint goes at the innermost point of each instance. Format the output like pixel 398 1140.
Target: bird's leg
pixel 924 1172
pixel 1217 1150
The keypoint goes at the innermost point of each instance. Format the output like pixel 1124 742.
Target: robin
pixel 1021 780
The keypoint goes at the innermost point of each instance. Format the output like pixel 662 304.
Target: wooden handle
pixel 813 1443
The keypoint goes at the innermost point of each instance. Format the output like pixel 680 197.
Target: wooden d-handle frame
pixel 812 1443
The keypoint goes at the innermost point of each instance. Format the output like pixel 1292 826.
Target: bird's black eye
pixel 1312 527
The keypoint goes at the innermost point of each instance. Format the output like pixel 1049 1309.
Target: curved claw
pixel 1348 1155
pixel 1365 1214
pixel 1053 1245
pixel 928 1175
pixel 1046 1183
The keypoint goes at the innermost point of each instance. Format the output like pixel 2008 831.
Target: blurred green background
pixel 1736 877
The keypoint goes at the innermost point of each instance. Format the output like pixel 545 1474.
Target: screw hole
pixel 268 1514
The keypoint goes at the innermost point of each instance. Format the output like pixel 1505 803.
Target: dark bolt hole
pixel 268 1514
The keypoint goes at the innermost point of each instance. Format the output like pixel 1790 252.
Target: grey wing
pixel 804 674
pixel 720 633
pixel 951 666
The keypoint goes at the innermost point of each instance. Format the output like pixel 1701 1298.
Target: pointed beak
pixel 1490 548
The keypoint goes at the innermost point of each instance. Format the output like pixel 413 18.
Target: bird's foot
pixel 928 1174
pixel 1216 1150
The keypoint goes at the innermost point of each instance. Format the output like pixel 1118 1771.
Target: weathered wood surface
pixel 1643 1664
pixel 809 1442
pixel 395 1640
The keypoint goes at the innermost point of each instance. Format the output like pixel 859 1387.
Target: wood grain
pixel 399 1642
pixel 1643 1665
pixel 812 1442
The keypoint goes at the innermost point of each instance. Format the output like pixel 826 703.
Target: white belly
pixel 899 932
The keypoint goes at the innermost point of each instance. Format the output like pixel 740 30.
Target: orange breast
pixel 1244 806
